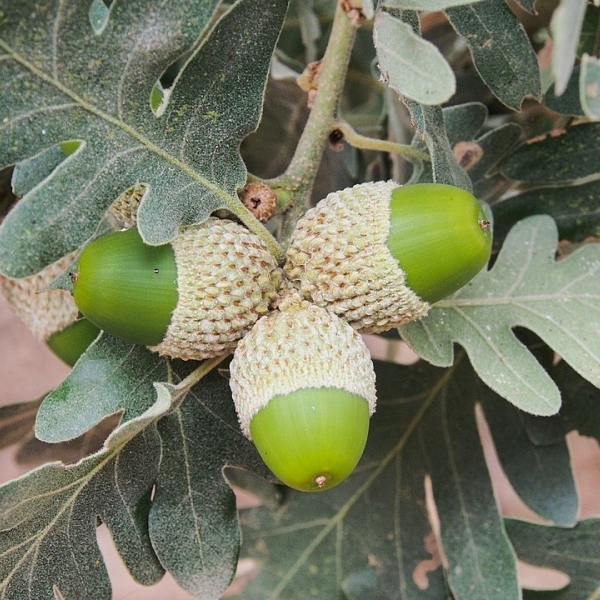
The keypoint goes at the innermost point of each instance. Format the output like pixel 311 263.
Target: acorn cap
pixel 304 387
pixel 339 259
pixel 191 299
pixel 360 249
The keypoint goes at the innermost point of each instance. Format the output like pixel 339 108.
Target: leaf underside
pixel 525 287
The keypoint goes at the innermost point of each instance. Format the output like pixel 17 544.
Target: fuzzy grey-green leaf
pixel 411 65
pixel 526 287
pixel 112 376
pixel 61 80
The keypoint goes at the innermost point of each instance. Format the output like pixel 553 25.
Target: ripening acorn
pixel 50 314
pixel 192 299
pixel 379 254
pixel 303 385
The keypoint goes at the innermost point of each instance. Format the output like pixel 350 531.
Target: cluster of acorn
pixel 364 260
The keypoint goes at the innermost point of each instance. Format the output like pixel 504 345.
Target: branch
pixel 299 177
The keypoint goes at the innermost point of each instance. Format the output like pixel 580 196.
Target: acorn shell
pixel 348 256
pixel 191 299
pixel 312 439
pixel 453 232
pixel 72 341
pixel 304 387
pixel 126 287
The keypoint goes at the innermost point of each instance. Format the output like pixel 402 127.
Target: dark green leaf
pixel 193 520
pixel 443 167
pixel 48 521
pixel 588 38
pixel 557 159
pixel 481 563
pixel 575 208
pixel 568 103
pixel 501 50
pixel 580 409
pixel 463 122
pixel 528 5
pixel 29 173
pixel 494 145
pixel 571 551
pixel 540 474
pixel 16 427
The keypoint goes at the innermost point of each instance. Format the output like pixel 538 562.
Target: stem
pixel 300 175
pixel 368 143
pixel 187 383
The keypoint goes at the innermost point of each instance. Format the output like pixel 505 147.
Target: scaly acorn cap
pixel 303 385
pixel 192 299
pixel 378 254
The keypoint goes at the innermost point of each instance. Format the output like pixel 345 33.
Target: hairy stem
pixel 368 143
pixel 300 175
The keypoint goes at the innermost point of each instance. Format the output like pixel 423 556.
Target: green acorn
pixel 50 314
pixel 378 254
pixel 304 388
pixel 192 299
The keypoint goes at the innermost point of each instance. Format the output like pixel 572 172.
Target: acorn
pixel 50 314
pixel 192 299
pixel 303 385
pixel 379 254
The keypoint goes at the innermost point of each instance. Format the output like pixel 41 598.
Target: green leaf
pixel 48 520
pixel 568 103
pixel 431 123
pixel 17 427
pixel 557 159
pixel 462 124
pixel 61 80
pixel 481 562
pixel 525 287
pixel 111 376
pixel 589 28
pixel 572 551
pixel 48 517
pixel 494 146
pixel 528 5
pixel 193 520
pixel 411 65
pixel 580 409
pixel 500 49
pixel 565 27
